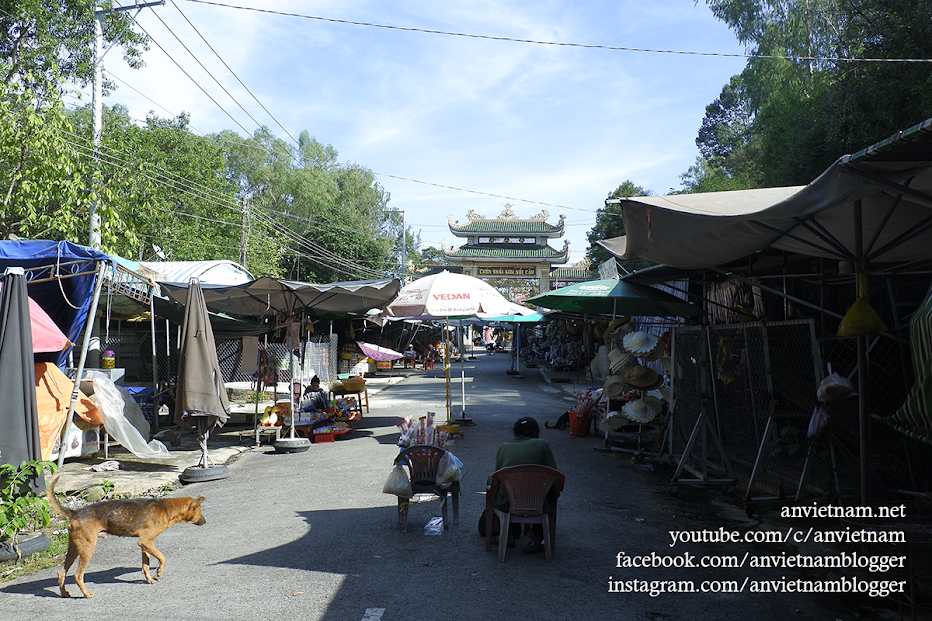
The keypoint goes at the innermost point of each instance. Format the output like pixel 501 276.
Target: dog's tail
pixel 547 425
pixel 53 502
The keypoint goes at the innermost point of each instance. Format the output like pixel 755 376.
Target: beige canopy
pixel 891 181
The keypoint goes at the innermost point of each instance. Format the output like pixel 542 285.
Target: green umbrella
pixel 615 297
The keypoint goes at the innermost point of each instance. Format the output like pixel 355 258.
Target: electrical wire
pixel 564 44
pixel 232 72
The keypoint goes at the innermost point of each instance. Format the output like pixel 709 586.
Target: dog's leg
pixel 63 572
pixel 85 544
pixel 148 547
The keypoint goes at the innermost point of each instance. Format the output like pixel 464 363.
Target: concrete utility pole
pixel 404 243
pixel 97 103
pixel 244 235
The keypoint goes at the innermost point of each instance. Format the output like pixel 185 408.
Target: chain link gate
pixel 743 395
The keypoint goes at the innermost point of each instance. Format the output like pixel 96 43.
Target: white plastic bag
pixel 835 387
pixel 117 408
pixel 449 470
pixel 818 421
pixel 398 483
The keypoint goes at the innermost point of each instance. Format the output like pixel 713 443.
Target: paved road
pixel 311 536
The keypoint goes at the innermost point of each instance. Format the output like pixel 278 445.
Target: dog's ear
pixel 200 499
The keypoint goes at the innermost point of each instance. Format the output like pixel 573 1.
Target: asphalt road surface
pixel 311 536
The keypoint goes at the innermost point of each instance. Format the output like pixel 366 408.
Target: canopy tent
pixel 60 277
pixel 869 208
pixel 268 296
pixel 218 272
pixel 889 184
pixel 616 297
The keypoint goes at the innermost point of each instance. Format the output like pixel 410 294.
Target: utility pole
pixel 97 103
pixel 244 235
pixel 404 243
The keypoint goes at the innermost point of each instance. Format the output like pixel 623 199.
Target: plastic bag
pixel 398 483
pixel 450 469
pixel 119 410
pixel 834 387
pixel 818 421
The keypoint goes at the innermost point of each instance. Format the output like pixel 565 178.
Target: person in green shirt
pixel 526 448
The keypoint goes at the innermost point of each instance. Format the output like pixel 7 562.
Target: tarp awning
pixel 892 180
pixel 268 296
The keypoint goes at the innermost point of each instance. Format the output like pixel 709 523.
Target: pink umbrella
pixel 382 354
pixel 46 336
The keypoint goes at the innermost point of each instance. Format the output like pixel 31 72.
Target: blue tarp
pixel 60 277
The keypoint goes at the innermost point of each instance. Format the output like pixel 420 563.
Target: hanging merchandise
pixel 861 319
pixel 642 378
pixel 639 411
pixel 640 343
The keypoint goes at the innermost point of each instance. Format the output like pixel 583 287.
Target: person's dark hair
pixel 526 426
pixel 315 380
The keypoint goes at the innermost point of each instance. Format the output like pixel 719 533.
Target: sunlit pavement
pixel 311 535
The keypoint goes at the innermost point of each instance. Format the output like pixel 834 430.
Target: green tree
pixel 45 174
pixel 609 222
pixel 782 121
pixel 323 218
pixel 46 43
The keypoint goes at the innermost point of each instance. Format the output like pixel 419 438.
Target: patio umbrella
pixel 46 335
pixel 448 296
pixel 200 396
pixel 615 297
pixel 19 418
pixel 381 354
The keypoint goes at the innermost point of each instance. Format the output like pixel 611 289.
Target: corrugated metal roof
pixel 511 227
pixel 208 272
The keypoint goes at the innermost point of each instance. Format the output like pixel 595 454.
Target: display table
pixel 359 394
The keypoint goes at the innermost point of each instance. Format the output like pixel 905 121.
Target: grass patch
pixel 54 555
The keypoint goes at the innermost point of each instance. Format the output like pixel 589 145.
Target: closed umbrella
pixel 19 419
pixel 615 297
pixel 448 296
pixel 200 396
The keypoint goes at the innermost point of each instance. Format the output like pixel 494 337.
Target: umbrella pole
pixel 446 365
pixel 91 317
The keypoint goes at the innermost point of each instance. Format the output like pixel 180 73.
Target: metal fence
pixel 744 396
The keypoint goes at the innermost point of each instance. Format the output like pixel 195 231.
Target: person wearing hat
pixel 526 448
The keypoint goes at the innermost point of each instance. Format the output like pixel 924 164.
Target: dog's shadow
pixel 49 586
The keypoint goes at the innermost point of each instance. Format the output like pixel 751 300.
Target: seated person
pixel 315 398
pixel 525 448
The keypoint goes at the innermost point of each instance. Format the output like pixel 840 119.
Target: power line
pixel 232 72
pixel 564 44
pixel 195 82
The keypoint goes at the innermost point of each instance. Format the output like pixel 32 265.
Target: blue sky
pixel 559 125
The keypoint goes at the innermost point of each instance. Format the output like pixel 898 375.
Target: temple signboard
pixel 506 271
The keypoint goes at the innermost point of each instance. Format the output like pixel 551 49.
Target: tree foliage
pixel 783 120
pixel 609 222
pixel 323 219
pixel 46 43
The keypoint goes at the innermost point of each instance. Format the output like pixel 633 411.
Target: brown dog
pixel 145 518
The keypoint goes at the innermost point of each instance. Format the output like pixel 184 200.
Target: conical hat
pixel 642 378
pixel 639 411
pixel 640 342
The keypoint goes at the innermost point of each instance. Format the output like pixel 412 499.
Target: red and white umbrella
pixel 446 295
